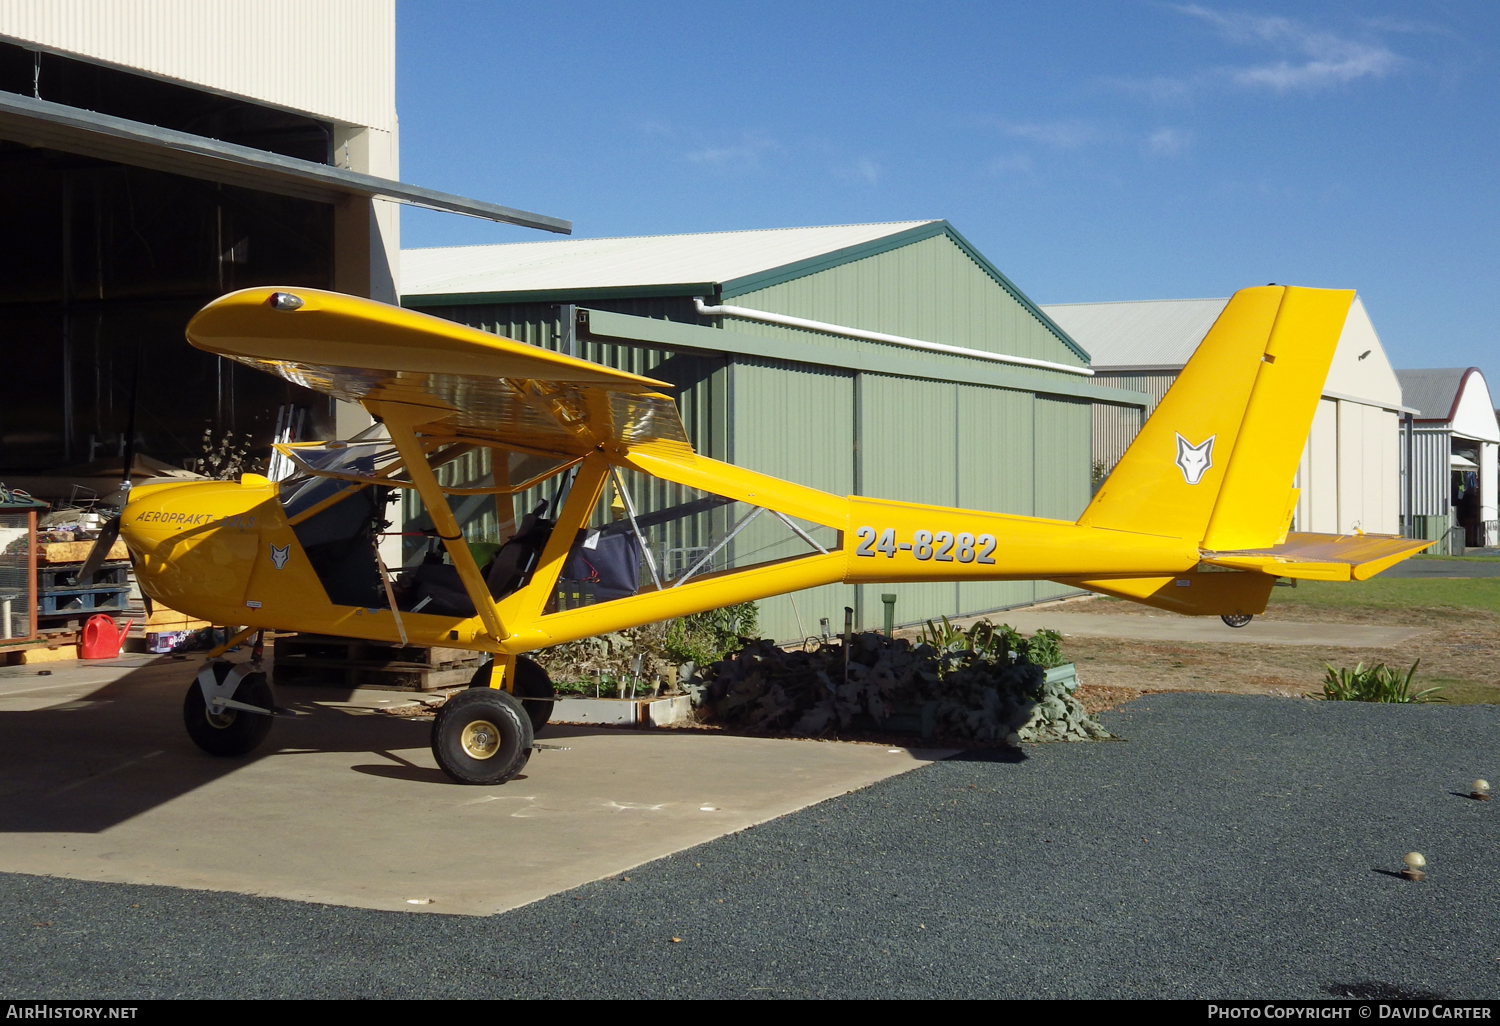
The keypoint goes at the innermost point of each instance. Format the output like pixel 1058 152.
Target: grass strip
pixel 1395 593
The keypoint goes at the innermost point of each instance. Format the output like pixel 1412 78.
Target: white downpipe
pixel 746 314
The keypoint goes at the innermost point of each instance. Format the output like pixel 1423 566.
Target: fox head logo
pixel 1194 460
pixel 279 555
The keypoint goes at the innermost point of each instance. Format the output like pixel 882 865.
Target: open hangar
pixel 1452 442
pixel 1351 472
pixel 890 360
pixel 153 157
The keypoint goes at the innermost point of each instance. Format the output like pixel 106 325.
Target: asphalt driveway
pixel 1231 846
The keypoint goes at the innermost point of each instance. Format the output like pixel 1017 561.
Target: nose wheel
pixel 221 729
pixel 1236 619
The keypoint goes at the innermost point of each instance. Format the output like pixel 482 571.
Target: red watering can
pixel 102 639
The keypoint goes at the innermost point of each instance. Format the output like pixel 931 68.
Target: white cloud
pixel 1015 163
pixel 1315 58
pixel 1169 142
pixel 742 155
pixel 866 170
pixel 1059 135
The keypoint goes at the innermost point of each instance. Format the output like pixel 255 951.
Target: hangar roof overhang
pixel 57 126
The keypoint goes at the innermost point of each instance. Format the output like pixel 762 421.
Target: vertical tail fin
pixel 1215 462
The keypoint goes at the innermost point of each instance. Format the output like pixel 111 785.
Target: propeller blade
pixel 129 452
pixel 106 540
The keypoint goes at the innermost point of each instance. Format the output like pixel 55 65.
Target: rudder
pixel 1215 462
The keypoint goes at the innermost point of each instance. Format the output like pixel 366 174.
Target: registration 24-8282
pixel 938 546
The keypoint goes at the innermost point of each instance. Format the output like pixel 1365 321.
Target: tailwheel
pixel 532 686
pixel 1236 619
pixel 481 736
pixel 229 732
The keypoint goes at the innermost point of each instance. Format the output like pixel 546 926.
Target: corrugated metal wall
pixel 1432 479
pixel 930 290
pixel 1061 467
pixel 796 422
pixel 1115 427
pixel 908 450
pixel 332 58
pixel 997 471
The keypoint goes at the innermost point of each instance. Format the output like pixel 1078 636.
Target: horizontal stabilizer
pixel 1323 557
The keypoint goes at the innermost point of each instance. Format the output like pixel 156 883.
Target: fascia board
pixel 1377 404
pixel 557 295
pixel 1139 368
pixel 676 335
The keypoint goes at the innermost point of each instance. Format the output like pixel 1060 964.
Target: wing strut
pixel 400 419
pixel 634 526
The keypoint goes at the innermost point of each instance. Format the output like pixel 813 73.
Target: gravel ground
pixel 1232 846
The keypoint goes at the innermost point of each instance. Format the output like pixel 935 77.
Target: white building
pixel 1453 443
pixel 1350 475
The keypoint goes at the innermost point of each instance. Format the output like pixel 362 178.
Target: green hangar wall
pixel 847 415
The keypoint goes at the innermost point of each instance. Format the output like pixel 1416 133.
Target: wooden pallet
pixel 322 661
pixel 76 551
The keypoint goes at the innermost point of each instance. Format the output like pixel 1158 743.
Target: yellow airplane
pixel 1194 518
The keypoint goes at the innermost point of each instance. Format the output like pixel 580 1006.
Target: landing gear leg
pixel 233 723
pixel 531 685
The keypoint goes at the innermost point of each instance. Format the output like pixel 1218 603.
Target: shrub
pixel 704 638
pixel 1379 683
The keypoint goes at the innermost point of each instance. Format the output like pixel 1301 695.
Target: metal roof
pixel 1143 333
pixel 651 261
pixel 1433 391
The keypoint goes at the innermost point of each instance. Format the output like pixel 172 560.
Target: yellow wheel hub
pixel 480 739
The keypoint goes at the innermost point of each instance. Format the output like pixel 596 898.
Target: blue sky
pixel 1092 150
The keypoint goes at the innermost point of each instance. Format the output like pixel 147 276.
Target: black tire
pixel 232 732
pixel 1237 619
pixel 481 736
pixel 532 682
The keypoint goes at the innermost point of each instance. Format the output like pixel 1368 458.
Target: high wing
pixel 480 387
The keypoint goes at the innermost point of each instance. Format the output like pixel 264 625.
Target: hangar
pixel 1453 439
pixel 1351 470
pixel 890 360
pixel 154 155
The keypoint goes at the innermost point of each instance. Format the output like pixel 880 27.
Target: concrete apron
pixel 98 781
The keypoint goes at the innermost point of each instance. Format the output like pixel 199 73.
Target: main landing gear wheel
pixel 1236 619
pixel 531 683
pixel 232 731
pixel 481 736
